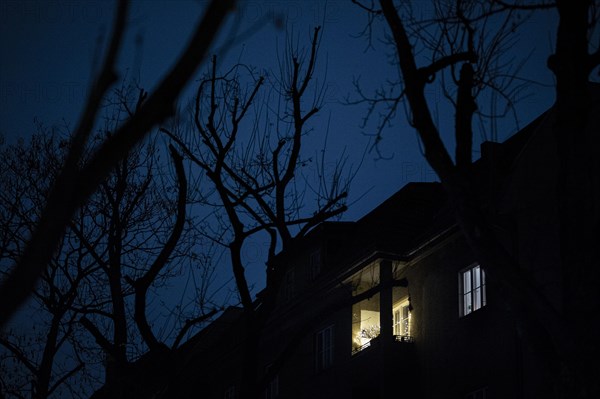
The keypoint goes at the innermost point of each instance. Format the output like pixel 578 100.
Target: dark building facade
pixel 395 305
pixel 392 306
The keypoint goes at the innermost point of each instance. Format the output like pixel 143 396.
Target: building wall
pixel 452 357
pixel 458 355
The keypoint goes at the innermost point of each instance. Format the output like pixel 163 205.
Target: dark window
pixel 230 392
pixel 324 348
pixel 288 285
pixel 272 390
pixel 477 394
pixel 315 264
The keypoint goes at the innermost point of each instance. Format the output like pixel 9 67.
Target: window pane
pixel 397 321
pixel 401 317
pixel 324 348
pixel 230 393
pixel 477 298
pixel 483 299
pixel 476 277
pixel 467 281
pixel 467 304
pixel 272 390
pixel 327 349
pixel 319 350
pixel 405 320
pixel 365 322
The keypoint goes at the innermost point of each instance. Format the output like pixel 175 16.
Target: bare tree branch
pixel 435 151
pixel 530 7
pixel 142 284
pixel 428 72
pixel 189 324
pixel 65 377
pixel 73 190
pixel 16 351
pixel 538 318
pixel 98 336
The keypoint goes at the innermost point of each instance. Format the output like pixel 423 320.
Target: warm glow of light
pixel 402 316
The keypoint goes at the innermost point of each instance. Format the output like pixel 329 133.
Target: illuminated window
pixel 401 313
pixel 365 323
pixel 365 314
pixel 324 348
pixel 472 290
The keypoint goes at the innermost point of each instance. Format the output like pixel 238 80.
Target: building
pixel 395 304
pixel 380 307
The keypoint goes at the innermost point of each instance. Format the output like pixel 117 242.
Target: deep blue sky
pixel 47 51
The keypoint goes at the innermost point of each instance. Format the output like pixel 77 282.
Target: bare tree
pixel 144 237
pixel 77 181
pixel 125 244
pixel 568 352
pixel 249 147
pixel 30 357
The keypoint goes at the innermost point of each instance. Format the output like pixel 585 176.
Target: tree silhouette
pixel 77 181
pixel 249 147
pixel 126 243
pixel 31 362
pixel 561 337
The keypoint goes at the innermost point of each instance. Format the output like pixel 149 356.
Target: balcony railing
pixel 374 341
pixel 358 349
pixel 404 338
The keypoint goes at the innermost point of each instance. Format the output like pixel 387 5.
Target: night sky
pixel 49 49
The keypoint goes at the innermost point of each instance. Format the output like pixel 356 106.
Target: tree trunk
pixel 577 197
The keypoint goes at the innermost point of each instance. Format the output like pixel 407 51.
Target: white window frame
pixel 324 348
pixel 472 289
